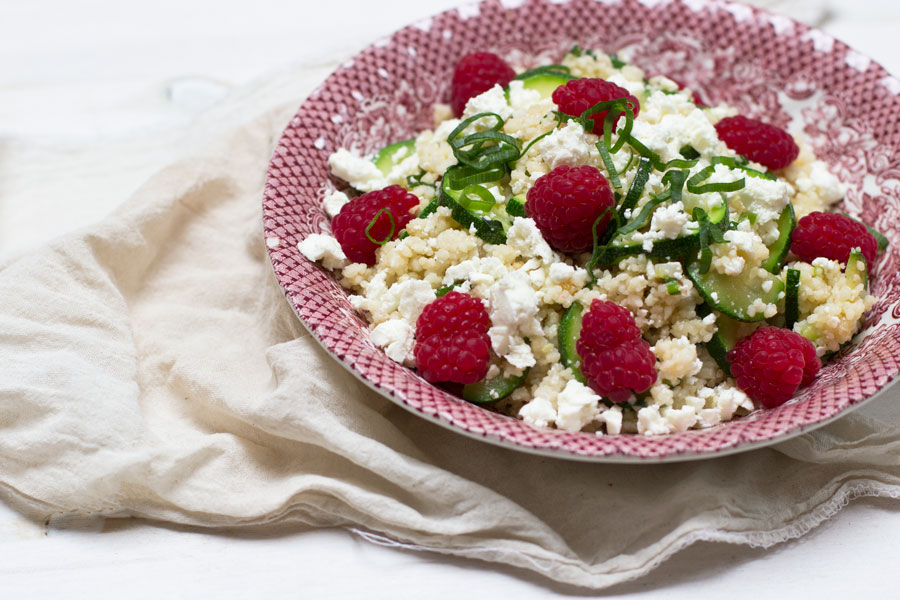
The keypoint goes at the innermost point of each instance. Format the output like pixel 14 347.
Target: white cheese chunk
pixel 539 412
pixel 321 247
pixel 359 172
pixel 513 311
pixel 576 406
pixel 334 202
pixel 397 337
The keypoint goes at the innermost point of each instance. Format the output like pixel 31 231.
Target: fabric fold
pixel 152 367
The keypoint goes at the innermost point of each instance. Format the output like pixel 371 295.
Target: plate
pixel 766 65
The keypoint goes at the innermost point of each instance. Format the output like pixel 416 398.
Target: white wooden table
pixel 76 79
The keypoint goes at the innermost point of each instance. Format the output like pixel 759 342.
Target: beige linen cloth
pixel 150 366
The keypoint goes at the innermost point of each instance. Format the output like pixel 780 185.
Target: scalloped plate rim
pixel 673 456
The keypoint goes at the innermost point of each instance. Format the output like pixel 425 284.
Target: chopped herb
pixel 617 62
pixel 879 237
pixel 443 291
pixel 579 51
pixel 599 243
pixel 416 180
pixel 608 163
pixel 689 152
pixel 637 186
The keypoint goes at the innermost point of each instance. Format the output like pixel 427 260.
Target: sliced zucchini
pixel 733 295
pixel 492 390
pixel 792 298
pixel 716 210
pixel 724 340
pixel 623 246
pixel 391 156
pixel 668 249
pixel 515 207
pixel 544 83
pixel 568 332
pixel 778 250
pixel 857 268
pixel 491 230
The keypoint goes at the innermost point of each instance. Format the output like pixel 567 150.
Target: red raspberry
pixel 564 204
pixel 460 358
pixel 476 73
pixel 605 325
pixel 760 142
pixel 451 340
pixel 615 359
pixel 833 236
pixel 578 95
pixel 619 371
pixel 453 313
pixel 771 364
pixel 349 225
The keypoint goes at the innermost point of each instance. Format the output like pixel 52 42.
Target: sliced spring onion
pixel 416 180
pixel 644 215
pixel 689 152
pixel 599 243
pixel 460 176
pixel 478 156
pixel 694 183
pixel 658 164
pixel 535 140
pixel 630 161
pixel 462 126
pixel 477 198
pixel 608 163
pixel 675 179
pixel 637 186
pixel 375 220
pixel 740 163
pixel 709 233
pixel 672 287
pixel 558 70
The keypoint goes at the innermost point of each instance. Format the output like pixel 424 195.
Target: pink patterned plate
pixel 766 65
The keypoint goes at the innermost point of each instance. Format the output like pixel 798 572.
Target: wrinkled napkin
pixel 150 366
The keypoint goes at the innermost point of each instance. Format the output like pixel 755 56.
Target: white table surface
pixel 77 78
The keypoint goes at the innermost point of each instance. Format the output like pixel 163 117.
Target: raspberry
pixel 578 95
pixel 476 73
pixel 606 325
pixel 564 204
pixel 771 364
pixel 615 359
pixel 451 340
pixel 833 236
pixel 760 142
pixel 460 358
pixel 349 225
pixel 619 371
pixel 453 313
